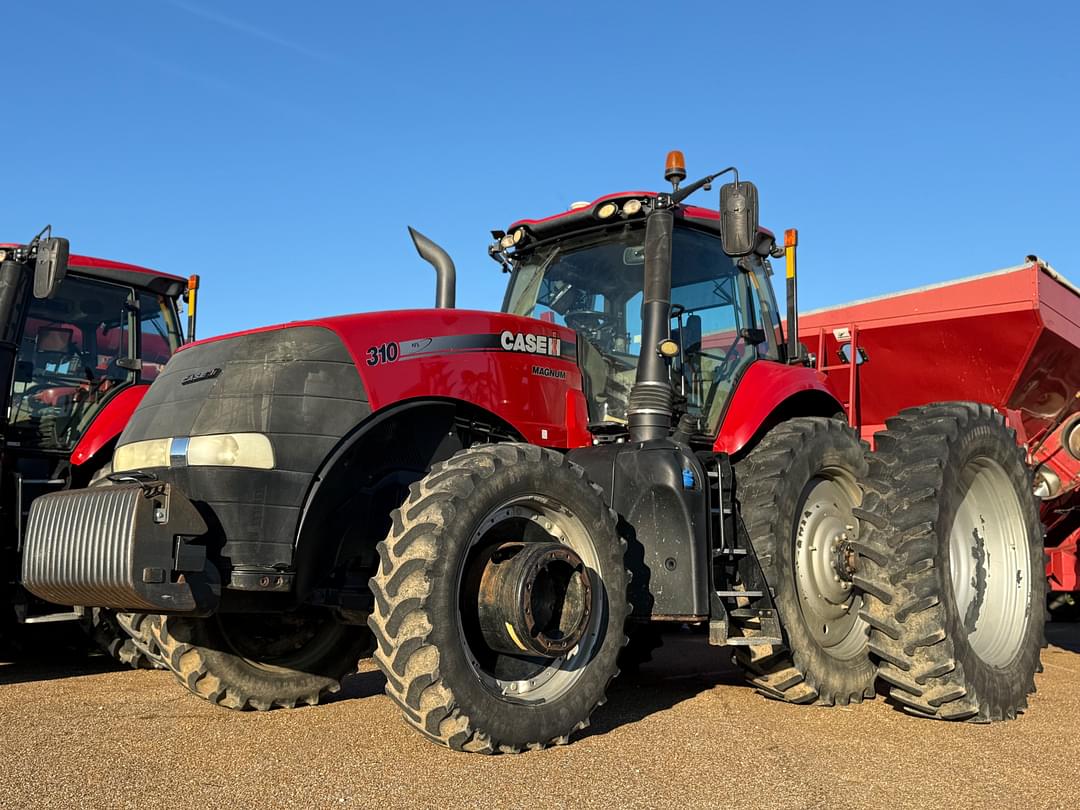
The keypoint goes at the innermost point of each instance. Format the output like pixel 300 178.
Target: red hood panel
pixel 521 369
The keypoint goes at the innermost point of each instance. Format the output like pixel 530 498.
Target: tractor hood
pixel 290 394
pixel 521 369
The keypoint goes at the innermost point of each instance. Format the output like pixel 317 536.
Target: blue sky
pixel 281 149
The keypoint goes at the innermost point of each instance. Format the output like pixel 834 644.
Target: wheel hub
pixel 825 564
pixel 534 599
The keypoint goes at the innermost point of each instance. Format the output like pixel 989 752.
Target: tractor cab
pixel 81 339
pixel 585 270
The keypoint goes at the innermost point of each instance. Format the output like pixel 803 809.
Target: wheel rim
pixel 990 562
pixel 524 678
pixel 825 564
pixel 280 642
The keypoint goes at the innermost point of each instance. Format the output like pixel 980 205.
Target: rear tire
pixel 261 661
pixel 451 687
pixel 796 491
pixel 953 564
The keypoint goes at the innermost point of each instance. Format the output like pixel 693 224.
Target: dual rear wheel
pixel 921 569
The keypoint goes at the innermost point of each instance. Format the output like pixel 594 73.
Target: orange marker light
pixel 675 168
pixel 791 237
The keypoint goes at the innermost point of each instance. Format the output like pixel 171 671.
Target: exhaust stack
pixel 650 406
pixel 445 273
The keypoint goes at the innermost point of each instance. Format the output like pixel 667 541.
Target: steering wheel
pixel 585 320
pixel 597 327
pixel 727 361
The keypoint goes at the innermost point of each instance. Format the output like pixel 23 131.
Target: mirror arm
pixel 681 194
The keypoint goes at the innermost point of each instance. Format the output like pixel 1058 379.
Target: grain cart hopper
pixel 80 341
pixel 1008 339
pixel 503 499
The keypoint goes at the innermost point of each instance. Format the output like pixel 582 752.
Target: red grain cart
pixel 1010 339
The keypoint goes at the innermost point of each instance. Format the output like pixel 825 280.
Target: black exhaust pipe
pixel 649 409
pixel 445 274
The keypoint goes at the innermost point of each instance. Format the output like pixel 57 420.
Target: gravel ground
pixel 683 732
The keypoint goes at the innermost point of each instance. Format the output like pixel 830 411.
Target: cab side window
pixel 159 334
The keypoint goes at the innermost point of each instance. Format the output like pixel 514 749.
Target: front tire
pixel 125 637
pixel 452 682
pixel 954 564
pixel 797 490
pixel 261 661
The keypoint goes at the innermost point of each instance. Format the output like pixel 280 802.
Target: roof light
pixel 507 241
pixel 607 210
pixel 675 169
pixel 574 206
pixel 631 207
pixel 518 235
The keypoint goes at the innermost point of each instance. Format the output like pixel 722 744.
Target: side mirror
pixel 50 266
pixel 738 217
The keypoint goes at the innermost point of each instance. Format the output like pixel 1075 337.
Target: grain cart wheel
pixel 261 661
pixel 954 564
pixel 124 636
pixel 796 491
pixel 500 600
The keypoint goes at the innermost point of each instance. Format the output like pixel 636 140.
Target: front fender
pixel 108 424
pixel 763 389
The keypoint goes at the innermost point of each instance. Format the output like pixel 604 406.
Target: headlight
pixel 140 455
pixel 231 450
pixel 252 450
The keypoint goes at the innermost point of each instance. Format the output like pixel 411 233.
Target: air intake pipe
pixel 649 409
pixel 445 274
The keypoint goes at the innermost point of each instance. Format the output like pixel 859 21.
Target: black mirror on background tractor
pixel 738 217
pixel 50 266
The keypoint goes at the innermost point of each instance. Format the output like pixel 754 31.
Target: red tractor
pixel 511 502
pixel 82 339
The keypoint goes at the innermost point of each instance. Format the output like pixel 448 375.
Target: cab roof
pixel 577 218
pixel 122 273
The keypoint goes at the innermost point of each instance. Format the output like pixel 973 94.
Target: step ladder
pixel 741 609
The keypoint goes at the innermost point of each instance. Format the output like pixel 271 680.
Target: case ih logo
pixel 198 376
pixel 531 344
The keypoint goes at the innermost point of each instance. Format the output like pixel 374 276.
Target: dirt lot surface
pixel 684 732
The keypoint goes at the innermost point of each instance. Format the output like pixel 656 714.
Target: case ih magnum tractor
pixel 82 338
pixel 505 499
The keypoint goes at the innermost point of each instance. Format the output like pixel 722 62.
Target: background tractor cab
pixel 80 341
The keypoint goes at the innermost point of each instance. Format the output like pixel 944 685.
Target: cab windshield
pixel 81 347
pixel 722 317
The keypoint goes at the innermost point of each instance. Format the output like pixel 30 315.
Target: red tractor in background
pixel 83 338
pixel 509 503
